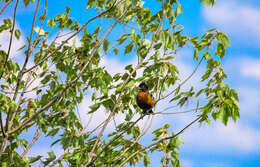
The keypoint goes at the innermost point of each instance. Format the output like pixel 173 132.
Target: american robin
pixel 144 99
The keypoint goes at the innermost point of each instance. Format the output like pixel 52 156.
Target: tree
pixel 66 72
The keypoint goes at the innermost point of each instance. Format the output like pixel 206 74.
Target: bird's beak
pixel 137 87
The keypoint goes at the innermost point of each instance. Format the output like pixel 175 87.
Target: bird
pixel 144 99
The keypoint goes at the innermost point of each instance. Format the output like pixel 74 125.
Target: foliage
pixel 67 72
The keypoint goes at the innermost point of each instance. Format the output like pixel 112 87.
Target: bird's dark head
pixel 143 87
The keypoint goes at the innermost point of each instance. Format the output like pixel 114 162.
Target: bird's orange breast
pixel 144 100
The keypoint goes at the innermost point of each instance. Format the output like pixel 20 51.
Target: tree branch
pixel 5 63
pixel 59 159
pixel 166 138
pixel 179 112
pixel 125 82
pixel 35 138
pixel 11 39
pixel 111 113
pixel 109 143
pixel 3 8
pixel 182 83
pixel 73 35
pixel 137 139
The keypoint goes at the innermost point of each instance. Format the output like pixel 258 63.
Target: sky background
pixel 214 145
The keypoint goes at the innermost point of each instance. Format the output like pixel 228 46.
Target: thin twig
pixel 182 83
pixel 125 82
pixel 73 35
pixel 2 125
pixel 115 42
pixel 179 112
pixel 164 79
pixel 112 112
pixel 11 39
pixel 20 99
pixel 163 139
pixel 28 53
pixel 109 143
pixel 38 34
pixel 59 159
pixel 35 138
pixel 21 73
pixel 55 98
pixel 3 8
pixel 137 139
pixel 6 60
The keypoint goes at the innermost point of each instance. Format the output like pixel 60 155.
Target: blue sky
pixel 236 145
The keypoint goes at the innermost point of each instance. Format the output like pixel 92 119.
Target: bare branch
pixel 182 83
pixel 5 63
pixel 125 82
pixel 3 8
pixel 73 35
pixel 55 98
pixel 59 159
pixel 2 125
pixel 11 39
pixel 35 138
pixel 166 138
pixel 28 53
pixel 38 34
pixel 179 112
pixel 137 139
pixel 20 75
pixel 109 143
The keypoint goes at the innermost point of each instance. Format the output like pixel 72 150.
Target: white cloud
pixel 249 102
pixel 101 115
pixel 217 138
pixel 251 68
pixel 113 66
pixel 238 19
pixel 16 44
pixel 63 36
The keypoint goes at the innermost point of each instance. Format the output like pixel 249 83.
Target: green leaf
pixel 26 2
pixel 220 50
pixel 208 3
pixel 222 38
pixel 51 23
pixel 17 33
pixel 67 9
pixel 53 132
pixel 106 45
pixel 55 142
pixel 122 38
pixel 129 67
pixel 94 107
pixel 206 75
pixel 162 37
pixel 46 79
pixel 146 160
pixel 206 55
pixel 21 48
pixel 34 159
pixel 128 48
pixel 179 10
pixel 175 98
pixel 223 116
pixel 115 51
pixel 195 55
